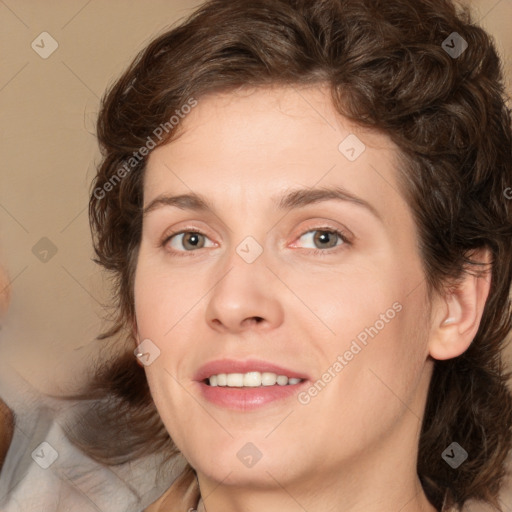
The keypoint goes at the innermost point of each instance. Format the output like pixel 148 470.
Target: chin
pixel 243 464
pixel 237 475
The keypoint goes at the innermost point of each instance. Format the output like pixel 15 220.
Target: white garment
pixel 56 476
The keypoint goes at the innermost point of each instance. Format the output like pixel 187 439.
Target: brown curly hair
pixel 389 69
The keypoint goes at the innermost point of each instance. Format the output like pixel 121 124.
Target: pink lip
pixel 245 399
pixel 250 365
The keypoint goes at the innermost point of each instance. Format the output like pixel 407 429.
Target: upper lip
pixel 248 365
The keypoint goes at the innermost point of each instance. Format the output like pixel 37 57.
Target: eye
pixel 325 238
pixel 187 240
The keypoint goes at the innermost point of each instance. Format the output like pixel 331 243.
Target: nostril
pixel 252 320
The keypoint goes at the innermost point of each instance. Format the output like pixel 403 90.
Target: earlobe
pixel 458 318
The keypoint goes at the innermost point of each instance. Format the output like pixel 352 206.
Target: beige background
pixel 48 150
pixel 49 109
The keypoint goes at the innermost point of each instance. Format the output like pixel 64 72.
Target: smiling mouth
pixel 239 387
pixel 250 380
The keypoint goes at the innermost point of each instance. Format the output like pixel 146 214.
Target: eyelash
pixel 317 252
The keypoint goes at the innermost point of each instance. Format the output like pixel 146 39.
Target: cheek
pixel 162 299
pixel 377 387
pixel 381 334
pixel 343 304
pixel 387 369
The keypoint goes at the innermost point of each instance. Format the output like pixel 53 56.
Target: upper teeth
pixel 251 379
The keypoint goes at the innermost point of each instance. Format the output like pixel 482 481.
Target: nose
pixel 247 297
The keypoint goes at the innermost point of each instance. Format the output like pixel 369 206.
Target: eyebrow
pixel 291 200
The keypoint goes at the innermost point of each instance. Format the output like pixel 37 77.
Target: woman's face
pixel 266 285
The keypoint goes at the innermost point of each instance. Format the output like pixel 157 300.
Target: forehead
pixel 275 118
pixel 254 142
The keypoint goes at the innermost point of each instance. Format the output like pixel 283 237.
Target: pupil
pixel 192 239
pixel 325 237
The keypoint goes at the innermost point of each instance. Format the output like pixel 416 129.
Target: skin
pixel 354 445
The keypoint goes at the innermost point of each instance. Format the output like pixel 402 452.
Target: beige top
pixel 184 496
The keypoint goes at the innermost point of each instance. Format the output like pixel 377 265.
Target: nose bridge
pixel 245 291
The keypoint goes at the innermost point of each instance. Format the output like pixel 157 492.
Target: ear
pixel 456 318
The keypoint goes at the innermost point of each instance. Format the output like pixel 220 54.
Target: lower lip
pixel 246 399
